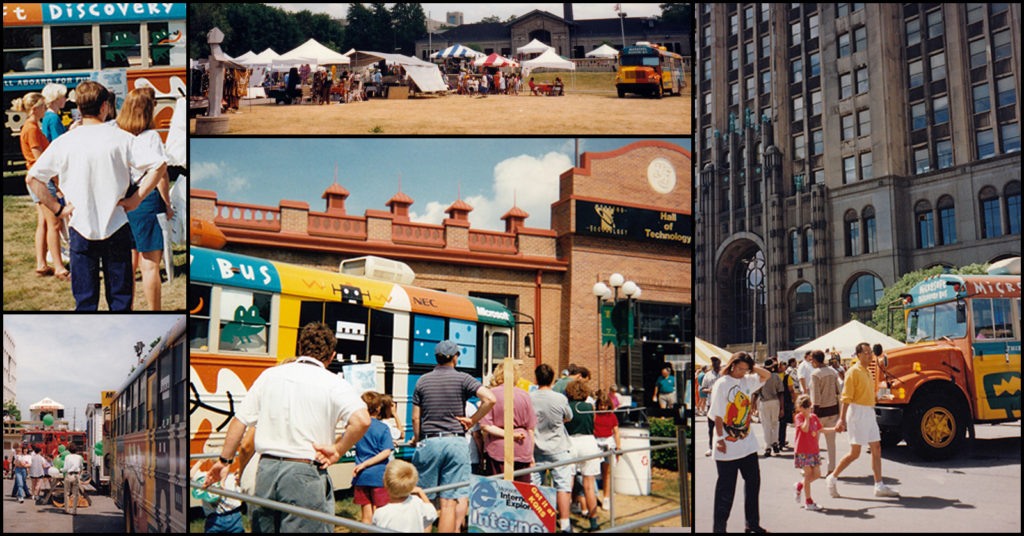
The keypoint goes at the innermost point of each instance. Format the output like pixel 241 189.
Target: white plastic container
pixel 633 471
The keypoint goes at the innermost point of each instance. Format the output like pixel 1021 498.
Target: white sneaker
pixel 830 481
pixel 707 452
pixel 881 490
pixel 812 506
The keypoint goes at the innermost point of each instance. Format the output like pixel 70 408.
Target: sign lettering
pixel 604 219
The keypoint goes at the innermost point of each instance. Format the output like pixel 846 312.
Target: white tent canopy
pixel 549 59
pixel 604 51
pixel 533 47
pixel 245 57
pixel 704 350
pixel 845 338
pixel 320 54
pixel 425 75
pixel 264 58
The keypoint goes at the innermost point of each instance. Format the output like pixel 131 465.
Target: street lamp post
pixel 622 27
pixel 632 291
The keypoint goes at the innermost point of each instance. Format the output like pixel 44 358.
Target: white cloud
pixel 530 182
pixel 217 176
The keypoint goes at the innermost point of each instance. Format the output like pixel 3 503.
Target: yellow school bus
pixel 650 70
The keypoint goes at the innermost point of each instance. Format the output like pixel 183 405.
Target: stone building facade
pixel 839 146
pixel 547 274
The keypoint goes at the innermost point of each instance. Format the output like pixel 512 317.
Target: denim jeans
pixel 114 256
pixel 294 483
pixel 443 460
pixel 21 483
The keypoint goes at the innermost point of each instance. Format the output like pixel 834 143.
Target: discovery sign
pixel 616 221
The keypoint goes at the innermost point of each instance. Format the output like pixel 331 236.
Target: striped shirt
pixel 441 395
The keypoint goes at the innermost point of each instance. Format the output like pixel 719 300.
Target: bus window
pixel 120 45
pixel 499 346
pixel 244 321
pixel 992 318
pixel 72 47
pixel 199 317
pixel 23 49
pixel 934 322
pixel 946 324
pixel 630 60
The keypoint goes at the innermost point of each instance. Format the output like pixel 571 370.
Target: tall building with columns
pixel 841 145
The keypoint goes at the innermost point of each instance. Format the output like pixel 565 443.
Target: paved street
pixel 102 516
pixel 977 491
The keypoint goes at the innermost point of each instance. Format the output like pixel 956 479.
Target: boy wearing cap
pixel 442 454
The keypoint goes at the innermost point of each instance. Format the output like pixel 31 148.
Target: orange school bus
pixel 246 314
pixel 961 365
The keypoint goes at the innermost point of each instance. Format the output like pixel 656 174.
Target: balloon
pixel 48 420
pixel 58 462
pixel 98 448
pixel 61 448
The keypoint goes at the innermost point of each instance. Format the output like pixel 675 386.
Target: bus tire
pixel 935 425
pixel 890 437
pixel 129 517
pixel 622 92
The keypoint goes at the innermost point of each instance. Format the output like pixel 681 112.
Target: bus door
pixel 995 349
pixel 496 346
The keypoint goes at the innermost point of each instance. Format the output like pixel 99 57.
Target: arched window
pixel 794 247
pixel 925 224
pixel 801 315
pixel 991 227
pixel 870 239
pixel 748 288
pixel 947 220
pixel 808 245
pixel 1012 193
pixel 863 296
pixel 851 233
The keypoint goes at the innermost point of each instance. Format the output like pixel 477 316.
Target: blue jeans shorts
pixel 443 460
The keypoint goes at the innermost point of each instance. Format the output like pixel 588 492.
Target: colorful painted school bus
pixel 122 45
pixel 246 313
pixel 961 365
pixel 651 70
pixel 149 421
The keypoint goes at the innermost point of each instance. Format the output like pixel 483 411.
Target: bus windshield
pixel 636 60
pixel 934 322
pixel 33 438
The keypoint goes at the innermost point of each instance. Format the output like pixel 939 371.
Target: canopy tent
pixel 845 338
pixel 425 75
pixel 245 57
pixel 320 54
pixel 551 60
pixel 228 61
pixel 264 58
pixel 283 64
pixel 495 60
pixel 533 47
pixel 704 350
pixel 457 51
pixel 604 51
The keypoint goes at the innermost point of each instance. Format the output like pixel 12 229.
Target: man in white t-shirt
pixel 73 466
pixel 94 162
pixel 734 441
pixel 804 371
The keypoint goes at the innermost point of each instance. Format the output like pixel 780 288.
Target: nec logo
pixel 425 302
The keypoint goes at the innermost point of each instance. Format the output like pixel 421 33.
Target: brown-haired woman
pixel 33 143
pixel 581 437
pixel 137 118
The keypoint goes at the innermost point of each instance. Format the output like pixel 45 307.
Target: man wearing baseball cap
pixel 439 425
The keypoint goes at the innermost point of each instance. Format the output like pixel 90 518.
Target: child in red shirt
pixel 606 431
pixel 808 429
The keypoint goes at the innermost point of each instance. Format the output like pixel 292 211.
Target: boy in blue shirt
pixel 372 452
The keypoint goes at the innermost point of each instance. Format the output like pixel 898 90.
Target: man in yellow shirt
pixel 858 400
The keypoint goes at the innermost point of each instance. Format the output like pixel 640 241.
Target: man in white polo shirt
pixel 73 464
pixel 93 163
pixel 295 408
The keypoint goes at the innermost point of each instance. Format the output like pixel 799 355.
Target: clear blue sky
pixel 72 358
pixel 263 171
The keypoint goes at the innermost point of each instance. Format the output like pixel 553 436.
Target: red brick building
pixel 625 211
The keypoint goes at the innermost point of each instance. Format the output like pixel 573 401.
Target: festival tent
pixel 551 60
pixel 604 51
pixel 494 60
pixel 425 75
pixel 533 47
pixel 704 350
pixel 845 338
pixel 264 58
pixel 245 57
pixel 320 54
pixel 456 51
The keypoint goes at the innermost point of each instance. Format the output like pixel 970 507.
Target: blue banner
pixel 111 12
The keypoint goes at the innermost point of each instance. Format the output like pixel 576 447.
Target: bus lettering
pixel 425 302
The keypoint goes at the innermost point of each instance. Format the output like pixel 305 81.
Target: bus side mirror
pixel 961 312
pixel 528 341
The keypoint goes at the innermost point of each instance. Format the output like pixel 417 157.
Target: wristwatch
pixel 224 461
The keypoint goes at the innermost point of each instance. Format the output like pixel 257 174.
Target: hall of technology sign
pixel 604 219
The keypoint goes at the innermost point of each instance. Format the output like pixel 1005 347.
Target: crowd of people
pixel 290 413
pixel 816 398
pixel 35 472
pixel 101 183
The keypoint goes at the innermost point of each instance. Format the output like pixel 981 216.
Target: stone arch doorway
pixel 741 278
pixel 541 35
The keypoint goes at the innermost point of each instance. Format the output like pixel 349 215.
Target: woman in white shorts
pixel 581 438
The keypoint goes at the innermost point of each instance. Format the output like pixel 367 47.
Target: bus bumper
pixel 888 416
pixel 641 88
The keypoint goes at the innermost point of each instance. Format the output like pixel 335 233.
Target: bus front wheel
pixel 622 92
pixel 129 521
pixel 935 426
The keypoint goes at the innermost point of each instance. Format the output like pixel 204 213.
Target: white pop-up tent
pixel 319 54
pixel 533 47
pixel 549 60
pixel 603 51
pixel 245 57
pixel 704 351
pixel 425 75
pixel 845 338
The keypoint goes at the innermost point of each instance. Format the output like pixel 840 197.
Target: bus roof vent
pixel 379 269
pixel 1009 266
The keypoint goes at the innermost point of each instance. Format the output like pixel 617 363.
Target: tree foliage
pixel 249 26
pixel 891 295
